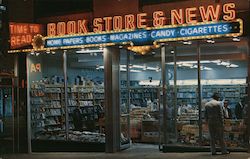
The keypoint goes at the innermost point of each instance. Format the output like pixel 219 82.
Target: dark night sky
pixel 45 8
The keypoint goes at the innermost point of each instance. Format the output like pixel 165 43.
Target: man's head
pixel 226 102
pixel 216 96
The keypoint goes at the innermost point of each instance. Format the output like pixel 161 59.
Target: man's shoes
pixel 225 153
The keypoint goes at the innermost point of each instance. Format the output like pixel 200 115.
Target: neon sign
pixel 210 13
pixel 141 36
pixel 21 34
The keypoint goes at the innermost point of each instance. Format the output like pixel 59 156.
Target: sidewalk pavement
pixel 136 152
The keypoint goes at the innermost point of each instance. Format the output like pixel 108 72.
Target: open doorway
pixel 140 97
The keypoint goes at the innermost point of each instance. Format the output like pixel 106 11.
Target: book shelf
pixel 188 94
pixel 48 107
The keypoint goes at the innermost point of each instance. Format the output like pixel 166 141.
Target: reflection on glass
pixel 46 97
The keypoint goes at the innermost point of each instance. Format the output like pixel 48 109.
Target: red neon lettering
pixel 190 15
pixel 117 23
pixel 130 21
pixel 141 21
pixel 229 10
pixel 61 28
pixel 108 23
pixel 38 67
pixel 177 17
pixel 51 29
pixel 82 26
pixel 210 13
pixel 158 19
pixel 71 27
pixel 97 23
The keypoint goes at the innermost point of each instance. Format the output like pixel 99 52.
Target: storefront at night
pixel 98 82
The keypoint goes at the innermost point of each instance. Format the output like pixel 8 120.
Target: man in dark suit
pixel 239 109
pixel 77 119
pixel 226 110
pixel 214 117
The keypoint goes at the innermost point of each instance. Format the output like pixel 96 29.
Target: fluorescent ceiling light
pixel 149 83
pixel 87 51
pixel 123 69
pixel 211 82
pixel 233 65
pixel 225 63
pixel 135 71
pixel 138 66
pixel 152 68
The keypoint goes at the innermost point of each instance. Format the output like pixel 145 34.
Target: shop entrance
pixel 143 87
pixel 157 98
pixel 169 87
pixel 199 69
pixel 7 99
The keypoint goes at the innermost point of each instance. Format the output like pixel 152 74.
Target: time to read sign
pixel 184 24
pixel 21 34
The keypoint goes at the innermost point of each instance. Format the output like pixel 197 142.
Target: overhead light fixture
pixel 186 64
pixel 211 41
pixel 123 69
pixel 225 63
pixel 172 51
pixel 143 49
pixel 152 68
pixel 53 52
pixel 236 39
pixel 232 66
pixel 32 53
pixel 194 66
pixel 207 68
pixel 136 71
pixel 87 51
pixel 138 66
pixel 187 42
pixel 47 52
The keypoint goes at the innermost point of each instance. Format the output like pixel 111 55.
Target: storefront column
pixel 199 88
pixel 66 93
pixel 164 95
pixel 112 98
pixel 248 98
pixel 175 91
pixel 28 108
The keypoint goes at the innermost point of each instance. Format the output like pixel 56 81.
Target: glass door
pixel 180 119
pixel 6 115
